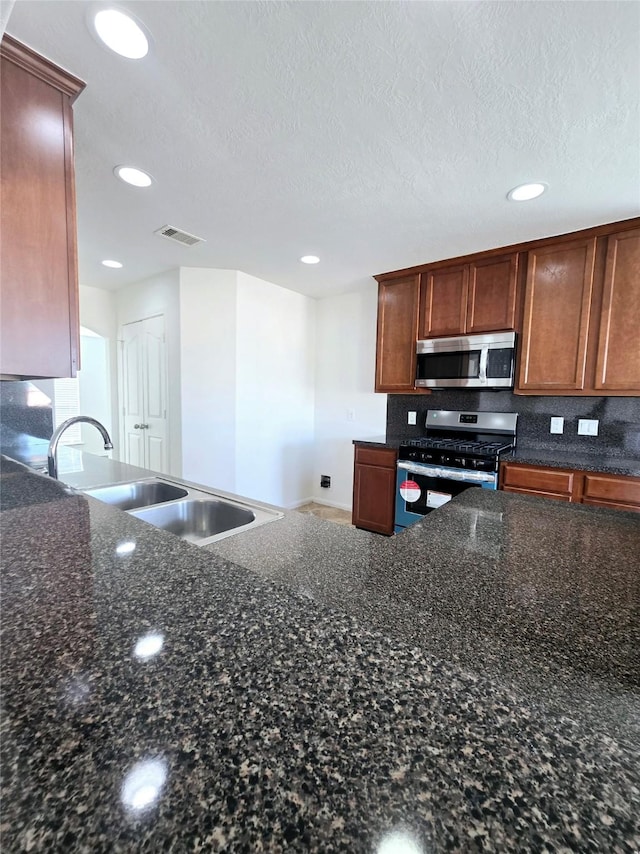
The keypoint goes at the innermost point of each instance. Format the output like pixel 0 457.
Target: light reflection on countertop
pixel 143 784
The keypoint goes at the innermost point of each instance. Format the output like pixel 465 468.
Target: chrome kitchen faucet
pixel 52 454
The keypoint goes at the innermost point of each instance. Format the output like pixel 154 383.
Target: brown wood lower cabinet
pixel 374 486
pixel 621 492
pixel 610 490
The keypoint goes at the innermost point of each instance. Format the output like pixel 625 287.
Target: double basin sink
pixel 195 515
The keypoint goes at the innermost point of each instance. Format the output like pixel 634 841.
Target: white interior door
pixel 155 395
pixel 145 394
pixel 132 397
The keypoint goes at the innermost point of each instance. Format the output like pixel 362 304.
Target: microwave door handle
pixel 484 357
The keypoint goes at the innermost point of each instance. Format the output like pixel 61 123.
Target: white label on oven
pixel 437 499
pixel 410 491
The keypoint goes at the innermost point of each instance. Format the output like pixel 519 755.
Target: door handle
pixel 140 426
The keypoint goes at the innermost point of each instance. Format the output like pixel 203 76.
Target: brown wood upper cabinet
pixel 39 325
pixel 557 307
pixel 579 323
pixel 469 298
pixel 618 354
pixel 581 317
pixel 398 302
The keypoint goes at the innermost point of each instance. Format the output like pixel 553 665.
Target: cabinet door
pixel 398 302
pixel 443 310
pixel 491 303
pixel 618 358
pixel 373 498
pixel 556 316
pixel 40 330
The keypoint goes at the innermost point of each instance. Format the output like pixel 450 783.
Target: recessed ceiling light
pixel 121 33
pixel 133 176
pixel 115 264
pixel 310 259
pixel 526 192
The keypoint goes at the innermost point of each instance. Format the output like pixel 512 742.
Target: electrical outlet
pixel 557 425
pixel 325 481
pixel 588 426
pixel 411 417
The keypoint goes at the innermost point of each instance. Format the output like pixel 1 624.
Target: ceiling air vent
pixel 179 236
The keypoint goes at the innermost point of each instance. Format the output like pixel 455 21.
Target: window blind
pixel 66 404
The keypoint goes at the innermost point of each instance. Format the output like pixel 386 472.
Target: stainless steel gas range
pixel 459 450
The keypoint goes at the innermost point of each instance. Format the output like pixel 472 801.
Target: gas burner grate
pixel 461 446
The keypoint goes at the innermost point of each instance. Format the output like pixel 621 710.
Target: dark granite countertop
pixel 576 460
pixel 378 441
pixel 555 458
pixel 157 696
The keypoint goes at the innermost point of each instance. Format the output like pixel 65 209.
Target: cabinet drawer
pixel 555 495
pixel 550 481
pixel 385 457
pixel 611 488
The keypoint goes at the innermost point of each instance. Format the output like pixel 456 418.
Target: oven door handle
pixel 448 473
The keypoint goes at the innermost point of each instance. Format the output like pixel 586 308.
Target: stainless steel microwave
pixel 469 361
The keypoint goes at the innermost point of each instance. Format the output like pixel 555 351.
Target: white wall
pixel 247 380
pixel 275 393
pixel 345 373
pixel 208 321
pixel 95 392
pixel 160 295
pixel 98 313
pixel 263 382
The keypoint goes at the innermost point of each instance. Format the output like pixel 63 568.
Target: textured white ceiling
pixel 376 135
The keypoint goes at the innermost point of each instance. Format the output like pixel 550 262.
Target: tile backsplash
pixel 26 417
pixel 618 429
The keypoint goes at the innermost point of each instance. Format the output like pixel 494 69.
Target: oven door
pixel 422 488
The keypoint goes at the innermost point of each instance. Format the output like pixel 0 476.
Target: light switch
pixel 411 417
pixel 351 415
pixel 557 425
pixel 588 426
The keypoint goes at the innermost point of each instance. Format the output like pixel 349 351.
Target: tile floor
pixel 330 514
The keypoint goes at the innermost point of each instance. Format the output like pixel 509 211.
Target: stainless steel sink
pixel 142 493
pixel 194 514
pixel 196 519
